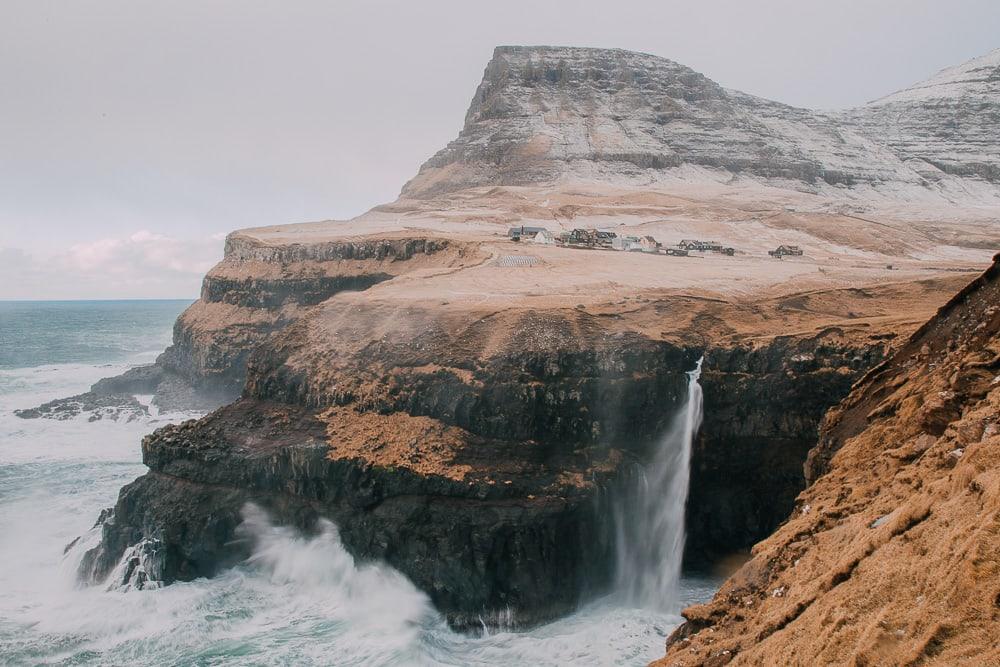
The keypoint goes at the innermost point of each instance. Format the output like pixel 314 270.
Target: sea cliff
pixel 464 402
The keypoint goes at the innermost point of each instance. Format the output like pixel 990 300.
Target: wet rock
pixel 484 513
pixel 114 407
pixel 139 380
pixel 114 398
pixel 475 549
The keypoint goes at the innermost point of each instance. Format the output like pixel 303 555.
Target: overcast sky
pixel 134 135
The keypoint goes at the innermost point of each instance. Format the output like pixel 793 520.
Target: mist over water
pixel 297 600
pixel 650 516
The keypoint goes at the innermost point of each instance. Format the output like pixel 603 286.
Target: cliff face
pixel 464 406
pixel 476 449
pixel 258 288
pixel 763 406
pixel 548 113
pixel 891 555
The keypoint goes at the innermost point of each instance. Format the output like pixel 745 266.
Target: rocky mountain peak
pixel 544 114
pixel 522 79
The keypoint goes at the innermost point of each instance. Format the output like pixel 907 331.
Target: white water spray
pixel 300 599
pixel 650 518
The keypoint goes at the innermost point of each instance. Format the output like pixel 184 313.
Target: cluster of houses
pixel 635 244
pixel 596 238
pixel 585 238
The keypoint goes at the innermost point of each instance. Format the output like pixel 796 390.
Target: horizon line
pixel 57 300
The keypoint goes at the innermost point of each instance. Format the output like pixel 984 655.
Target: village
pixel 590 239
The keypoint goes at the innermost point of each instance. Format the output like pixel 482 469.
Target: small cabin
pixel 605 238
pixel 649 244
pixel 785 250
pixel 523 232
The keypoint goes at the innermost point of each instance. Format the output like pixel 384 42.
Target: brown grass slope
pixel 892 555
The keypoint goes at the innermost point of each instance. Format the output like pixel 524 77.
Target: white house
pixel 545 237
pixel 627 243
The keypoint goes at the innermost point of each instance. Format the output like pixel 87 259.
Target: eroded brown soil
pixel 892 555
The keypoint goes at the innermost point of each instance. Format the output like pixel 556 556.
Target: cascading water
pixel 650 515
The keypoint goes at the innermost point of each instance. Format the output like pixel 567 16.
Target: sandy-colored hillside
pixel 892 556
pixel 841 250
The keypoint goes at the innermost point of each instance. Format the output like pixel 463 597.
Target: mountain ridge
pixel 543 114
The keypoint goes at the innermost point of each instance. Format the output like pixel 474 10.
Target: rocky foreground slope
pixel 465 406
pixel 892 554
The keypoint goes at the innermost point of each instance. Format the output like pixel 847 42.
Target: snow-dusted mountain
pixel 948 124
pixel 545 114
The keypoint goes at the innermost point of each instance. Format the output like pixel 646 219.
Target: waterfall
pixel 650 513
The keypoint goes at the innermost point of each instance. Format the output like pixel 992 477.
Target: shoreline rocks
pixel 492 518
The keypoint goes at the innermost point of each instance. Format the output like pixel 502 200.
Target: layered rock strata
pixel 477 450
pixel 548 113
pixel 944 125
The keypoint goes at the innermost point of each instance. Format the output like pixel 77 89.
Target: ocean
pixel 296 601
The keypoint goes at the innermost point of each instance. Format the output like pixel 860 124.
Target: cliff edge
pixel 463 401
pixel 892 554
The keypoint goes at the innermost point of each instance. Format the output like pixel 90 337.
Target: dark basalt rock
pixel 535 546
pixel 114 398
pixel 139 380
pixel 116 407
pixel 213 362
pixel 763 408
pixel 473 546
pixel 110 398
pixel 272 294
